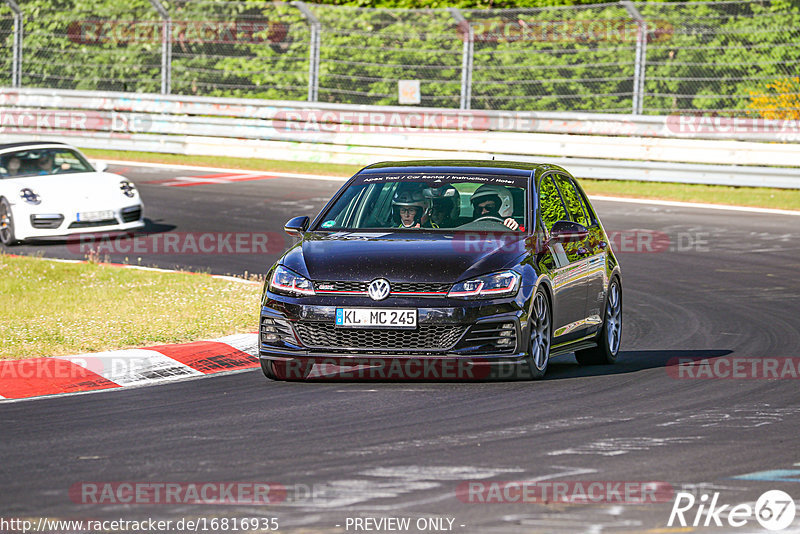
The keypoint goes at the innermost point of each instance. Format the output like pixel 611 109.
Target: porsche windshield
pixel 41 161
pixel 431 202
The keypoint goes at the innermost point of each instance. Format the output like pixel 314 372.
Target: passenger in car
pixel 12 166
pixel 408 208
pixel 445 208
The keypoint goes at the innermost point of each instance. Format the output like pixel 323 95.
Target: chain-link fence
pixel 733 57
pixel 7 38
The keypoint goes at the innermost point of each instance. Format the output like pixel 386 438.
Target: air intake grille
pixel 92 224
pixel 491 337
pixel 276 330
pixel 134 213
pixel 425 337
pixel 47 221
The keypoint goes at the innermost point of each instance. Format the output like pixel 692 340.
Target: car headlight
pixel 127 188
pixel 29 196
pixel 503 284
pixel 290 283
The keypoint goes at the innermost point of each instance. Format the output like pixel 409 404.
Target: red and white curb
pixel 35 377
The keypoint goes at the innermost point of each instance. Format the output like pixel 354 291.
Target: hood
pixel 75 187
pixel 400 257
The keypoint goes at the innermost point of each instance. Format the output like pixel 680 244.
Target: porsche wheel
pixel 6 224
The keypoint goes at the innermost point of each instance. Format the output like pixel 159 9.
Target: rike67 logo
pixel 774 510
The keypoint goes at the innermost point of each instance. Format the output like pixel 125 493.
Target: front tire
pixel 6 224
pixel 541 336
pixel 608 341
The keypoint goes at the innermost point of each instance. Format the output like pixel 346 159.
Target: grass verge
pixel 54 308
pixel 761 197
pixel 758 197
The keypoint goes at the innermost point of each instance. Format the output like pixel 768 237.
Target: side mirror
pixel 563 231
pixel 295 227
pixel 100 166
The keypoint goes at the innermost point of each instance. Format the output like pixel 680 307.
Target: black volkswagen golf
pixel 443 269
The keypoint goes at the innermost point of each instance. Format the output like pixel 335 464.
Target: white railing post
pixel 16 53
pixel 166 47
pixel 467 51
pixel 315 40
pixel 640 61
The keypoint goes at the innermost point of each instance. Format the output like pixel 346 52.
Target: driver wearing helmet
pixel 408 207
pixel 494 201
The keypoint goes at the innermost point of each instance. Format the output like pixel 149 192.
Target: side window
pixel 588 207
pixel 550 205
pixel 572 199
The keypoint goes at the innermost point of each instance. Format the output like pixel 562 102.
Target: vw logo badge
pixel 378 289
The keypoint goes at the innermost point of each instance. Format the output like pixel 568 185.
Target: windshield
pixel 430 202
pixel 41 161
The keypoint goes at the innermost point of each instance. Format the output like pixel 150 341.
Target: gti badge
pixel 378 289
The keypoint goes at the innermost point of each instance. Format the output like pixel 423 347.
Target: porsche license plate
pixel 376 318
pixel 91 216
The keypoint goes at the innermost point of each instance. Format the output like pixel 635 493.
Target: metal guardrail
pixel 659 148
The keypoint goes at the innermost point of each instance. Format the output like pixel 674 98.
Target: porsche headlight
pixel 29 196
pixel 287 282
pixel 502 284
pixel 127 188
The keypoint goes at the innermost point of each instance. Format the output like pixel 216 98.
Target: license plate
pixel 376 317
pixel 91 216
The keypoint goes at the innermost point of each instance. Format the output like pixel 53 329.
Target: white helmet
pixel 494 192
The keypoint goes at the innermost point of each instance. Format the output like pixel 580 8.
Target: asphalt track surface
pixel 725 286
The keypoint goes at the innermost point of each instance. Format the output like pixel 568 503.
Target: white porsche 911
pixel 49 189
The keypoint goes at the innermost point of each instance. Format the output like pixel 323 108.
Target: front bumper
pixel 31 222
pixel 466 332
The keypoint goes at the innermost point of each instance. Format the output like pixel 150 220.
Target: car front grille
pixel 424 288
pixel 131 214
pixel 399 289
pixel 425 337
pixel 499 337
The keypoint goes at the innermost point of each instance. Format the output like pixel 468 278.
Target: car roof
pixel 4 147
pixel 517 168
